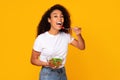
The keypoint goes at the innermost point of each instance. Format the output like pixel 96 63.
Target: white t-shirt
pixel 52 45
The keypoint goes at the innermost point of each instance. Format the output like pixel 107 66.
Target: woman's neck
pixel 53 32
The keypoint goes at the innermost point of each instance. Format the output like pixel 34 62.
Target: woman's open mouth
pixel 59 23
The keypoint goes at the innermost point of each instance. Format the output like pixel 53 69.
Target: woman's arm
pixel 79 43
pixel 35 61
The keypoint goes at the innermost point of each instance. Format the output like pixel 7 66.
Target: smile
pixel 59 23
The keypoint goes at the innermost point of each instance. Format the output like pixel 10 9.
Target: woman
pixel 53 37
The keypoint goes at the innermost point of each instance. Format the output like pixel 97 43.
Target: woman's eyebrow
pixel 57 13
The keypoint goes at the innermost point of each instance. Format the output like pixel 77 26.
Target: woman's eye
pixel 58 16
pixel 61 16
pixel 55 16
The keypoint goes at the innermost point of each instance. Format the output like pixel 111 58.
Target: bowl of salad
pixel 55 61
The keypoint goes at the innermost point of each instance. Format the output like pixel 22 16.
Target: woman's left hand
pixel 77 30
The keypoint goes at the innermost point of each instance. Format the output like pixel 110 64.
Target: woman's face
pixel 56 20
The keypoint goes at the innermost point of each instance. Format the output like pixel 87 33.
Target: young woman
pixel 53 37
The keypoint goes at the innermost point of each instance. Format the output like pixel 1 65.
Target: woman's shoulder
pixel 41 35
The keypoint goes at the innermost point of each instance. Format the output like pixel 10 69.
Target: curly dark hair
pixel 44 25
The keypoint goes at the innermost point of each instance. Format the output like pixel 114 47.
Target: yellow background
pixel 100 22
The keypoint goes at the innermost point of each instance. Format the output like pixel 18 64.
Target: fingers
pixel 54 67
pixel 50 65
pixel 77 30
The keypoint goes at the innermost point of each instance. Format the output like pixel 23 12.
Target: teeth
pixel 59 23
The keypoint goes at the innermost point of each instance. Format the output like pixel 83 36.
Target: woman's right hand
pixel 52 66
pixel 48 64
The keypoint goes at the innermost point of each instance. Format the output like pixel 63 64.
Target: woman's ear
pixel 49 20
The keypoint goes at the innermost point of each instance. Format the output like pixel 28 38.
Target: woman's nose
pixel 60 18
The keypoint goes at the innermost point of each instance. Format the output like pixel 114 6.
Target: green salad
pixel 55 62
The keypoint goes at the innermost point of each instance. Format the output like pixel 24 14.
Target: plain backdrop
pixel 100 23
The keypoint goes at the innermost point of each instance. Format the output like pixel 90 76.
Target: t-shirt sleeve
pixel 37 46
pixel 70 38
